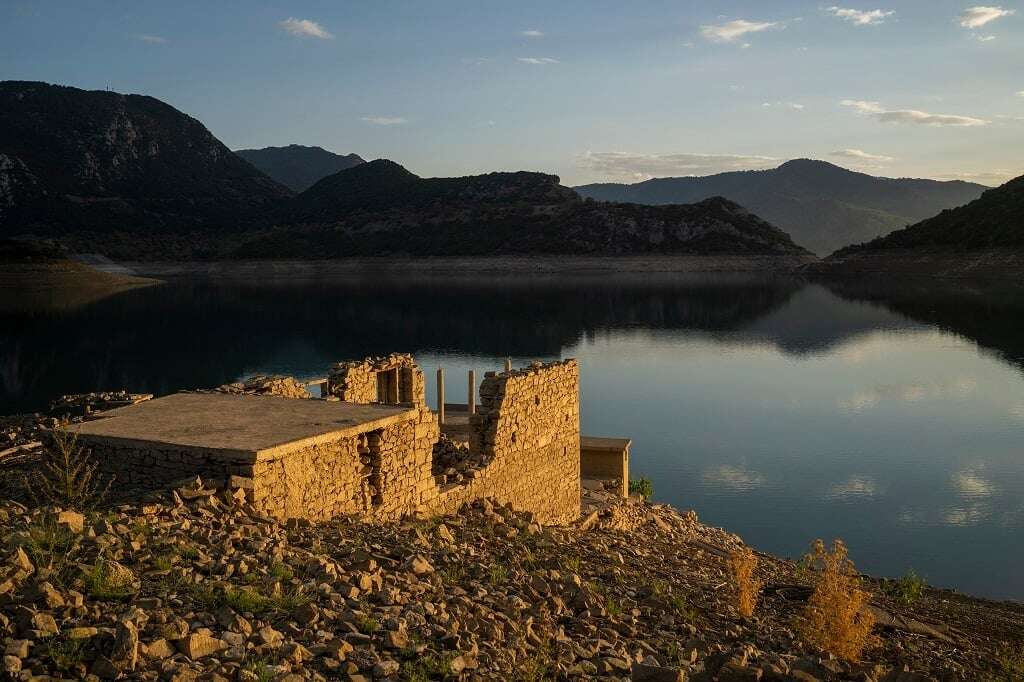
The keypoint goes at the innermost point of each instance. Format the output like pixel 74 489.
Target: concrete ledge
pixel 234 427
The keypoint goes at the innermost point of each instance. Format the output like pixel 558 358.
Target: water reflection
pixel 781 409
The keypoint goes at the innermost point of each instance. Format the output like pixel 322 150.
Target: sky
pixel 590 90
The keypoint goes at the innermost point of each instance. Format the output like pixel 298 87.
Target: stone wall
pixel 145 466
pixel 525 443
pixel 377 474
pixel 395 378
pixel 528 429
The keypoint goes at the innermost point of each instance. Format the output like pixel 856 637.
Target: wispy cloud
pixel 976 17
pixel 537 60
pixel 731 31
pixel 1020 93
pixel 386 120
pixel 152 39
pixel 855 487
pixel 877 111
pixel 861 17
pixel 733 478
pixel 532 33
pixel 859 154
pixel 305 28
pixel 645 166
pixel 783 105
pixel 992 178
pixel 985 39
pixel 969 483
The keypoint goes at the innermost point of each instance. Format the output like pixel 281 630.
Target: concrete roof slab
pixel 258 426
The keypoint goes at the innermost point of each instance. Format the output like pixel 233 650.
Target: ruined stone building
pixel 371 448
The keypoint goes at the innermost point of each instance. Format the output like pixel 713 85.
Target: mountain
pixel 119 173
pixel 822 206
pixel 298 167
pixel 985 237
pixel 380 208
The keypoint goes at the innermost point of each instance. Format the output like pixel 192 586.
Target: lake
pixel 889 415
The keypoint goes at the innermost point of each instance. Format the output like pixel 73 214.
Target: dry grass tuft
pixel 66 476
pixel 835 619
pixel 746 586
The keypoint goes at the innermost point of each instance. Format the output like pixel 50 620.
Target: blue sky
pixel 590 90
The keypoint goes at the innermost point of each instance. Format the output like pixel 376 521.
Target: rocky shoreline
pixel 193 584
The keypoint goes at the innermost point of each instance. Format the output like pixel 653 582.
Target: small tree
pixel 742 564
pixel 835 619
pixel 66 475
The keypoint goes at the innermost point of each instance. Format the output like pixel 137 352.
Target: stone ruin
pixel 373 448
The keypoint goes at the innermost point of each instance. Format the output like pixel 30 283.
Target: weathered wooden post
pixel 508 364
pixel 440 395
pixel 471 394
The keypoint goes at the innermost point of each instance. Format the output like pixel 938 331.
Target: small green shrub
pixel 1010 660
pixel 281 571
pixel 66 475
pixel 366 624
pixel 498 575
pixel 66 654
pixel 432 666
pixel 641 486
pixel 105 581
pixel 907 589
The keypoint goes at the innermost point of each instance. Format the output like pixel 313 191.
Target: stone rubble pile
pixel 261 384
pixel 84 404
pixel 196 585
pixel 455 461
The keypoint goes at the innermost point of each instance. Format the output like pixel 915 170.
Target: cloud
pixel 736 479
pixel 976 17
pixel 875 110
pixel 860 17
pixel 994 177
pixel 386 120
pixel 859 154
pixel 155 40
pixel 305 28
pixel 1020 93
pixel 784 105
pixel 970 484
pixel 537 60
pixel 853 488
pixel 985 39
pixel 733 30
pixel 644 166
pixel 532 33
pixel 909 393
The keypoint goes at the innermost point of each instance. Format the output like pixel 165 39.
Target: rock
pixel 386 668
pixel 199 645
pixel 642 672
pixel 737 672
pixel 105 669
pixel 420 566
pixel 396 639
pixel 20 560
pixel 159 649
pixel 125 652
pixel 74 521
pixel 269 636
pixel 12 665
pixel 175 630
pixel 18 648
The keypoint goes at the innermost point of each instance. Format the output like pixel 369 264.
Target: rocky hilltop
pixel 298 167
pixel 84 165
pixel 132 178
pixel 382 208
pixel 983 238
pixel 822 206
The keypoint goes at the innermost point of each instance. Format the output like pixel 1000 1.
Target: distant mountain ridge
pixel 381 208
pixel 984 237
pixel 76 162
pixel 132 178
pixel 298 167
pixel 822 206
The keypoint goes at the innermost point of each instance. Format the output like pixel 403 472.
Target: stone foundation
pixel 316 459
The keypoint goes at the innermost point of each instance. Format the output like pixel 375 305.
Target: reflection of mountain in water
pixel 184 335
pixel 988 313
pixel 193 334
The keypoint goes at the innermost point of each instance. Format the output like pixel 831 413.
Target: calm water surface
pixel 892 417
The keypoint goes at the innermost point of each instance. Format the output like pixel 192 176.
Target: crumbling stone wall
pixel 142 466
pixel 378 474
pixel 362 381
pixel 528 429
